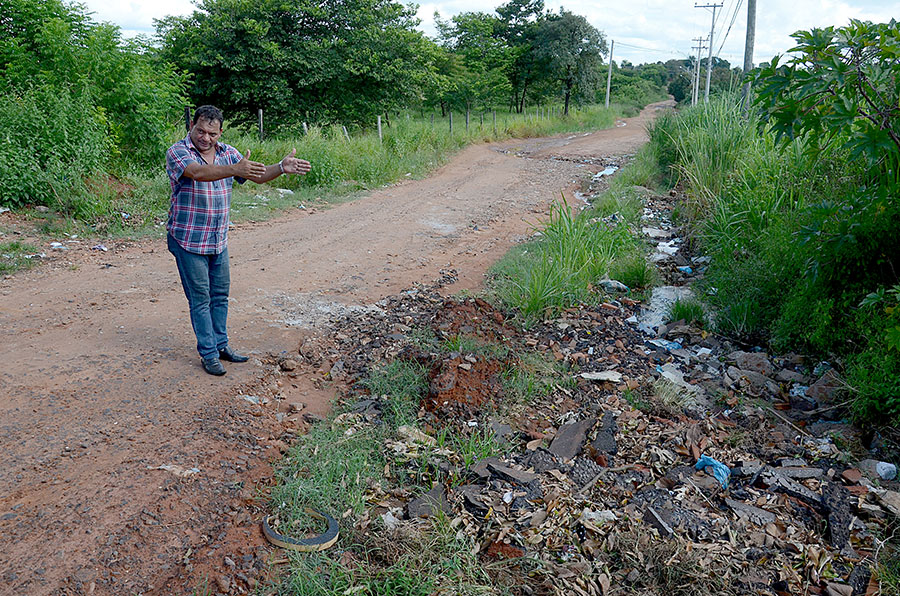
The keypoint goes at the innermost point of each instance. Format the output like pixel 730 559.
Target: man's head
pixel 206 127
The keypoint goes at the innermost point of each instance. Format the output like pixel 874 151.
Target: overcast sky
pixel 643 30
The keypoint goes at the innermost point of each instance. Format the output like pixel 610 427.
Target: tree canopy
pixel 334 60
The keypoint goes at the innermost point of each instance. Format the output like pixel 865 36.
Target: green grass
pixel 16 256
pixel 798 237
pixel 561 268
pixel 689 310
pixel 338 463
pixel 121 200
pixel 466 344
pixel 534 376
pixel 887 571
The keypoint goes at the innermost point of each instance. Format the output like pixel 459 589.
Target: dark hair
pixel 211 113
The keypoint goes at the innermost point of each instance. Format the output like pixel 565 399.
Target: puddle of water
pixel 656 312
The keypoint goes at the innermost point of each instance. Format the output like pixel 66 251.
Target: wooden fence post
pixel 305 129
pixel 187 118
pixel 260 116
pixel 494 114
pixel 450 116
pixel 380 137
pixel 467 121
pixel 432 120
pixel 346 135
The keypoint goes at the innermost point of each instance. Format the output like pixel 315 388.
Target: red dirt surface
pixel 101 384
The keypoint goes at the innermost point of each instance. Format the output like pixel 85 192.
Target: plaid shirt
pixel 198 213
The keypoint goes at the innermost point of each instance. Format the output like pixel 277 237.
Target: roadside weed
pixel 16 256
pixel 689 310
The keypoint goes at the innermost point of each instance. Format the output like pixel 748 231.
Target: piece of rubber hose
pixel 312 544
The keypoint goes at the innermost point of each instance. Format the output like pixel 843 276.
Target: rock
pixel 780 483
pixel 796 462
pixel 605 443
pixel 611 285
pixel 888 499
pixel 584 471
pixel 758 516
pixel 224 583
pixel 511 474
pixel 799 473
pixel 480 468
pixel 542 461
pixel 471 499
pixel 656 521
pixel 789 376
pixel 827 388
pixel 758 381
pixel 851 475
pixel 859 578
pixel 836 589
pixel 337 371
pixel 753 361
pixel 429 504
pixel 606 375
pixel 296 407
pixel 875 469
pixel 570 438
pixel 747 468
pixel 288 364
pixel 837 501
pixel 606 436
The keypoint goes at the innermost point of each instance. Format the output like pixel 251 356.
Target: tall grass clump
pixel 561 268
pixel 799 235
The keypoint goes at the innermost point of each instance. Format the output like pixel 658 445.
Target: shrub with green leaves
pixel 799 205
pixel 75 100
pixel 50 140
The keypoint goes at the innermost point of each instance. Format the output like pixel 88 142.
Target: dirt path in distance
pixel 129 470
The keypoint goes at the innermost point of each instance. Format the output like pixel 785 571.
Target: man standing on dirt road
pixel 201 171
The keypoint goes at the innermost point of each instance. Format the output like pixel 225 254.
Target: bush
pixel 798 236
pixel 51 139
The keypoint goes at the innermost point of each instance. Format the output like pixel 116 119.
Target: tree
pixel 520 19
pixel 571 49
pixel 475 38
pixel 842 85
pixel 338 60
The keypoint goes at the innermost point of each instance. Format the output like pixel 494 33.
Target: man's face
pixel 205 133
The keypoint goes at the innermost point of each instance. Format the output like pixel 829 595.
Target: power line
pixel 730 25
pixel 628 45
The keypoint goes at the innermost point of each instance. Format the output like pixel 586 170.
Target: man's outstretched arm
pixel 288 165
pixel 251 170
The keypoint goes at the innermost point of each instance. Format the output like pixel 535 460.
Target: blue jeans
pixel 206 280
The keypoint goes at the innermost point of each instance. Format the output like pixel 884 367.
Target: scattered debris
pixel 177 470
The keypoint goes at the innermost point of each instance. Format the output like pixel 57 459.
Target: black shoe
pixel 226 354
pixel 213 366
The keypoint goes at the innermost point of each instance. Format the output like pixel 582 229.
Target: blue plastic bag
pixel 720 470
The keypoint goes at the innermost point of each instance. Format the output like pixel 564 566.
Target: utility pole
pixel 712 28
pixel 748 53
pixel 612 44
pixel 695 77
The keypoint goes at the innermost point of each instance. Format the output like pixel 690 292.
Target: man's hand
pixel 250 170
pixel 292 165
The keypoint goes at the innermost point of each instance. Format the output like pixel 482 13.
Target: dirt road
pixel 101 384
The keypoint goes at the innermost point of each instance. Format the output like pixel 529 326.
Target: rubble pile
pixel 670 461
